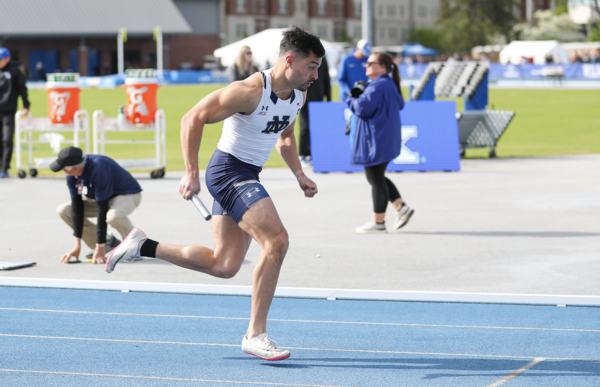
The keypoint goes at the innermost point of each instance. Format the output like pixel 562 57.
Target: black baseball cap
pixel 67 157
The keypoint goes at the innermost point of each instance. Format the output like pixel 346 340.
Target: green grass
pixel 548 122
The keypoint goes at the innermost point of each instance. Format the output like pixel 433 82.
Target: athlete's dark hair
pixel 301 43
pixel 386 60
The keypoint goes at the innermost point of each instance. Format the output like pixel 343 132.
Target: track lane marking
pixel 304 321
pixel 294 348
pixel 164 378
pixel 518 372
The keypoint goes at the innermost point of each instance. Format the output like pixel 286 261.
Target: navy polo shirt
pixel 102 179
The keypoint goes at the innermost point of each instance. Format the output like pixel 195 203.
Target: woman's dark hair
pixel 386 60
pixel 301 43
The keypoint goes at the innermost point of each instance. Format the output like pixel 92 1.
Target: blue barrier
pixel 429 138
pixel 523 72
pixel 588 71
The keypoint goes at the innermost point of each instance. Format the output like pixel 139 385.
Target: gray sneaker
pixel 111 242
pixel 403 216
pixel 371 228
pixel 127 251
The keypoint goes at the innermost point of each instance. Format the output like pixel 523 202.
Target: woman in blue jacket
pixel 377 139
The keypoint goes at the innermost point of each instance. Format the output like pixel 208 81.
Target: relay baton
pixel 200 207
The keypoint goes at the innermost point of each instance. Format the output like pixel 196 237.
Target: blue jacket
pixel 378 136
pixel 350 71
pixel 103 179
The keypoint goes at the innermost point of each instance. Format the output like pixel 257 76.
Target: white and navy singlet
pixel 251 138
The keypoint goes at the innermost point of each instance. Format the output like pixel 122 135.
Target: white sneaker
pixel 127 251
pixel 371 228
pixel 305 161
pixel 265 348
pixel 403 216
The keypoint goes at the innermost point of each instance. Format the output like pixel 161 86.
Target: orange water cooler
pixel 141 86
pixel 63 97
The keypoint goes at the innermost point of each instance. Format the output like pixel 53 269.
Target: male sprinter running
pixel 259 113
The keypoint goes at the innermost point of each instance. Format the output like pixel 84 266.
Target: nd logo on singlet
pixel 276 126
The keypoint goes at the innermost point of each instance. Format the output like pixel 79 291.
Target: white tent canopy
pixel 538 50
pixel 265 49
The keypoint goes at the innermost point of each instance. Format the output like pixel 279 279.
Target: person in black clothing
pixel 12 84
pixel 243 66
pixel 320 89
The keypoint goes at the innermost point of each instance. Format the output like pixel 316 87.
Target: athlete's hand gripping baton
pixel 200 207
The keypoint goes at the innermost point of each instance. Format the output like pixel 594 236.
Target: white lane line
pixel 518 372
pixel 305 321
pixel 163 378
pixel 295 348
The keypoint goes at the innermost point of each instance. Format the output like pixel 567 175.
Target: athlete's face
pixel 303 70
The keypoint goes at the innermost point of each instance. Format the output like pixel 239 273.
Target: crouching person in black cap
pixel 102 189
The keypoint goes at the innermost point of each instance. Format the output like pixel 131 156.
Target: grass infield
pixel 548 122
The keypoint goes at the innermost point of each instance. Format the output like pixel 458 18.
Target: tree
pixel 549 26
pixel 465 24
pixel 427 37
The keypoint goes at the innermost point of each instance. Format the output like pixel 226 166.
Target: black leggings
pixel 383 190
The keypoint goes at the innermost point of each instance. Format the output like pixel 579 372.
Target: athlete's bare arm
pixel 287 148
pixel 239 97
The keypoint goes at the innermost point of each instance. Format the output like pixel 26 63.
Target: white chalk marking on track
pixel 305 321
pixel 164 378
pixel 295 348
pixel 518 372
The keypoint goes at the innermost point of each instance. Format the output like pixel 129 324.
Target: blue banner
pixel 589 71
pixel 429 138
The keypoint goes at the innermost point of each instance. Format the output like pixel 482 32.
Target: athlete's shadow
pixel 441 367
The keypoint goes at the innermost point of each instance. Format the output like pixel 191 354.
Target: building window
pixel 262 6
pixel 401 9
pixel 240 5
pixel 391 10
pixel 322 31
pixel 261 25
pixel 393 33
pixel 302 5
pixel 357 33
pixel 356 4
pixel 404 35
pixel 382 32
pixel 283 6
pixel 321 7
pixel 380 8
pixel 337 32
pixel 241 31
pixel 422 12
pixel 339 8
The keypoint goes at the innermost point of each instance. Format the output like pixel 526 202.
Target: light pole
pixel 367 20
pixel 121 38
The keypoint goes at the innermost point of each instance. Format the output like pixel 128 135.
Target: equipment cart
pixel 25 126
pixel 103 125
pixel 482 128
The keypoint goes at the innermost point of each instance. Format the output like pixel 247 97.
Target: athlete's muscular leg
pixel 225 261
pixel 262 222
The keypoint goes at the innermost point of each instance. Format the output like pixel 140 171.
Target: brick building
pixel 81 35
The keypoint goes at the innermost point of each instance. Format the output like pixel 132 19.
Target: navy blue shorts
pixel 233 184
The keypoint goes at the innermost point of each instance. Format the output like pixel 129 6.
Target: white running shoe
pixel 265 348
pixel 403 216
pixel 371 228
pixel 127 251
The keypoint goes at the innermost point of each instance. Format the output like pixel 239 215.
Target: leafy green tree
pixel 465 24
pixel 427 37
pixel 562 6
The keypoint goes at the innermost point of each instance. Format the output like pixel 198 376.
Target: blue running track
pixel 59 337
